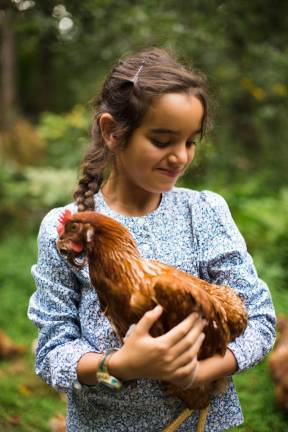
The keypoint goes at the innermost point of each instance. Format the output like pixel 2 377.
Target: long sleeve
pixel 224 260
pixel 54 310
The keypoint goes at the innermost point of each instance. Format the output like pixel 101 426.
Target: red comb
pixel 63 218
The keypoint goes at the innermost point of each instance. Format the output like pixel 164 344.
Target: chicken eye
pixel 74 228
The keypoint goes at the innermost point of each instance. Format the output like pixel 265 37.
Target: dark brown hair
pixel 128 91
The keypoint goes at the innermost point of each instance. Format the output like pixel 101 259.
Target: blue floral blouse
pixel 191 230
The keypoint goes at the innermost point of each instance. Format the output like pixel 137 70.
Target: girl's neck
pixel 127 200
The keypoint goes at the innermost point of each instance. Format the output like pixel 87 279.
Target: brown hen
pixel 128 286
pixel 278 363
pixel 8 348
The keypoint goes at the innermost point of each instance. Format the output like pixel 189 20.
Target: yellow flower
pixel 258 93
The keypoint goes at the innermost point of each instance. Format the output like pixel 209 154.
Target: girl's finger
pixel 189 339
pixel 184 375
pixel 184 359
pixel 129 331
pixel 180 331
pixel 192 377
pixel 148 320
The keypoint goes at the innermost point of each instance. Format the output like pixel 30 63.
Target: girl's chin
pixel 160 187
pixel 169 185
pixel 164 188
pixel 168 188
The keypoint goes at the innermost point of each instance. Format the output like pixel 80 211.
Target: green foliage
pixel 27 195
pixel 65 137
pixel 245 61
pixel 28 192
pixel 256 395
pixel 16 283
pixel 263 220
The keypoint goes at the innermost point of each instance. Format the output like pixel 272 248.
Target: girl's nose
pixel 179 155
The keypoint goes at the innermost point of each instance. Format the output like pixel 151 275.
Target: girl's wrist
pixel 87 368
pixel 214 368
pixel 117 367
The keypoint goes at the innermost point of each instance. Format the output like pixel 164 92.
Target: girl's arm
pixel 159 358
pixel 170 356
pixel 224 260
pixel 215 367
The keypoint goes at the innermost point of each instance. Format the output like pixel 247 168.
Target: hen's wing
pixel 226 297
pixel 233 305
pixel 180 296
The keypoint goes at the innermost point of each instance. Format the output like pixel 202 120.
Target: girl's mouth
pixel 171 173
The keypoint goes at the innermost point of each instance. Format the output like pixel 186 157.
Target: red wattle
pixel 76 247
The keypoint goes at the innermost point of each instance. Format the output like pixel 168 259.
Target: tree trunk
pixel 7 69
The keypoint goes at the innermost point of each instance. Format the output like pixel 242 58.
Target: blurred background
pixel 54 56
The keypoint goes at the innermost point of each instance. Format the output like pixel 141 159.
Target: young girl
pixel 150 115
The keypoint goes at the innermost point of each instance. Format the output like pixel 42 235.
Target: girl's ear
pixel 107 126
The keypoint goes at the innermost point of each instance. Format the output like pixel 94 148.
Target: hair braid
pixel 94 165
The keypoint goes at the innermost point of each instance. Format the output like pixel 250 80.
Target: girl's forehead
pixel 179 111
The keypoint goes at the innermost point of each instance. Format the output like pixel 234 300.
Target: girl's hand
pixel 170 357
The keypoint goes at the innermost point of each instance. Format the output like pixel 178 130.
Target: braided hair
pixel 128 91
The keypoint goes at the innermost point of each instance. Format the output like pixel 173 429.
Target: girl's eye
pixel 190 143
pixel 163 144
pixel 194 141
pixel 160 144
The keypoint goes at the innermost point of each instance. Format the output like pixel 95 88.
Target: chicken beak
pixel 61 247
pixel 64 247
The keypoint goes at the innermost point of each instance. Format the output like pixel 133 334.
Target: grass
pixel 27 404
pixel 255 390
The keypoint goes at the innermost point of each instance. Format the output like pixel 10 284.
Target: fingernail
pixel 158 308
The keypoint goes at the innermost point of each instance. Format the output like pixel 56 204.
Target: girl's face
pixel 162 147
